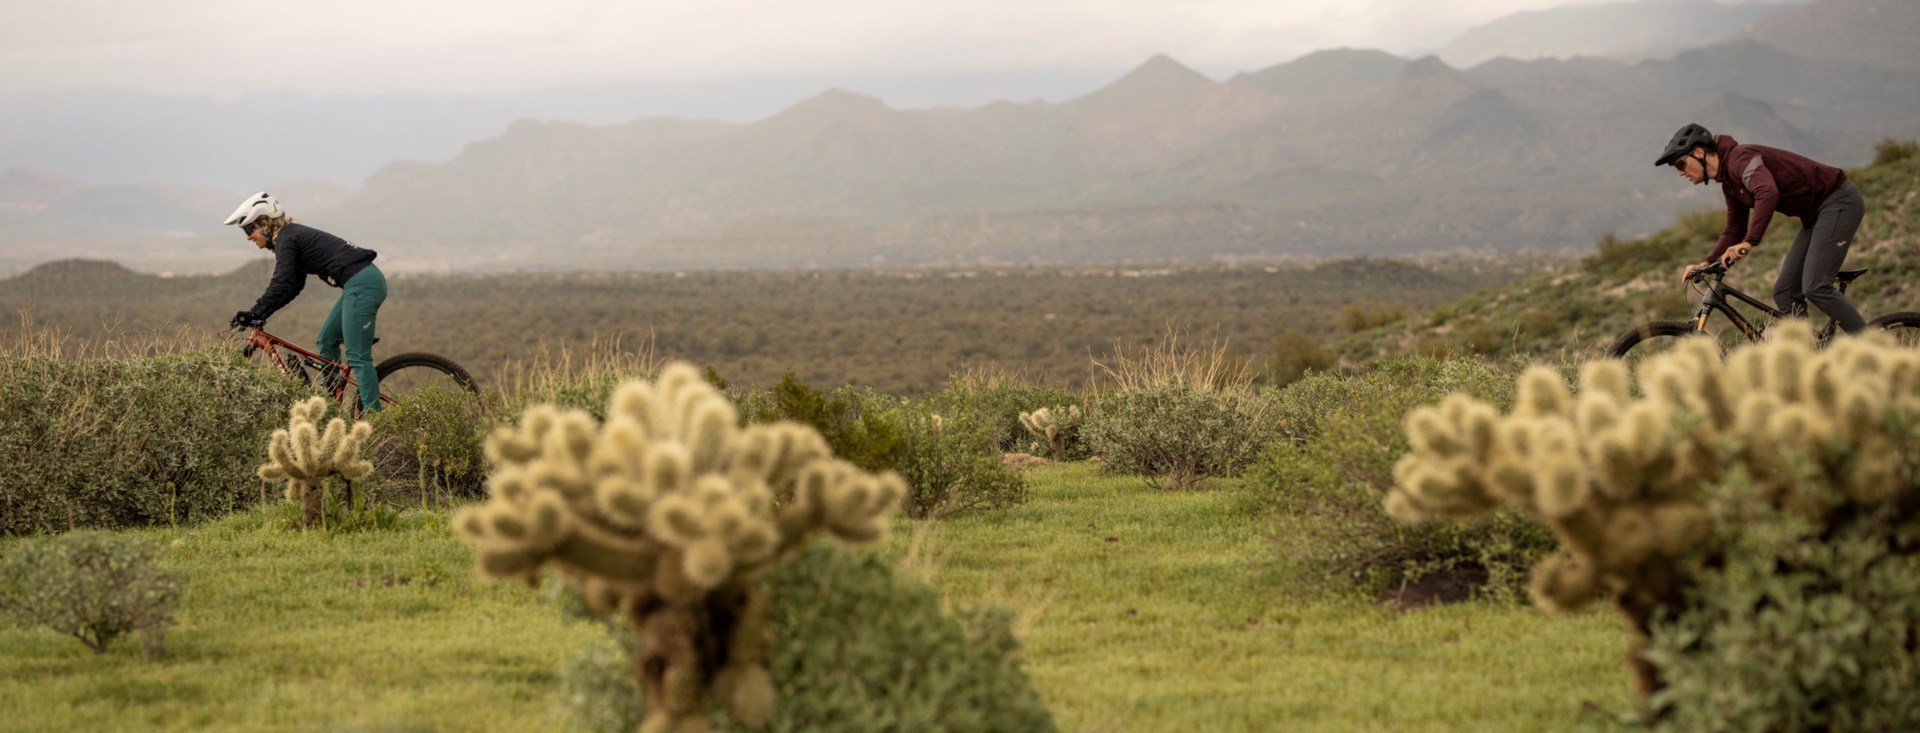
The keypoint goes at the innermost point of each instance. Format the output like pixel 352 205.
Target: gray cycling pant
pixel 1807 274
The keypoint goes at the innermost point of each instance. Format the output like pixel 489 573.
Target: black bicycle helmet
pixel 1683 142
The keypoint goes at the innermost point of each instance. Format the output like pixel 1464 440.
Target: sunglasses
pixel 1680 164
pixel 247 229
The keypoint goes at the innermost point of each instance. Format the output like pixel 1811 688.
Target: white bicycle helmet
pixel 259 206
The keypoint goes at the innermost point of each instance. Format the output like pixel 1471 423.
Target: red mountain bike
pixel 400 375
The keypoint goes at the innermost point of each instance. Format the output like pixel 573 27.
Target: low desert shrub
pixel 431 443
pixel 93 586
pixel 1362 315
pixel 131 441
pixel 1477 336
pixel 949 465
pixel 857 648
pixel 1322 484
pixel 855 422
pixel 1296 355
pixel 1894 150
pixel 951 462
pixel 996 403
pixel 1177 435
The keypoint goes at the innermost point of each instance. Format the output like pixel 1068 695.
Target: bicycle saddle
pixel 1847 276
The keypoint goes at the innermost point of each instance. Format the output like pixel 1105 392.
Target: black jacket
pixel 301 250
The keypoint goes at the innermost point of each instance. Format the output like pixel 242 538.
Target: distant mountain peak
pixel 1162 70
pixel 1428 67
pixel 837 98
pixel 1154 83
pixel 834 105
pixel 1346 53
pixel 1335 69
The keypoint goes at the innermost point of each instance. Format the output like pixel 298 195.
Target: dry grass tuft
pixel 1176 359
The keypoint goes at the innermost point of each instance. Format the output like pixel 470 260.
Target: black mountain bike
pixel 1716 295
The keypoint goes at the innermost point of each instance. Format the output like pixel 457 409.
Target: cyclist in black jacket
pixel 300 250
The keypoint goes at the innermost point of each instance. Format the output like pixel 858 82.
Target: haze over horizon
pixel 1498 140
pixel 227 49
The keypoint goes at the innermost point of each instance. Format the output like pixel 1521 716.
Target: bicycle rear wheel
pixel 405 375
pixel 1904 326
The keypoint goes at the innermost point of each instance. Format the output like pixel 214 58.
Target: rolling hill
pixel 1575 311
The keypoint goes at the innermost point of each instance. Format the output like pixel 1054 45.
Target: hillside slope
pixel 1575 311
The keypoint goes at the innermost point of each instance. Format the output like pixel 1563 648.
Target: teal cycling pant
pixel 351 322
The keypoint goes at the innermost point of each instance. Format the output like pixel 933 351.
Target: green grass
pixel 287 630
pixel 1149 610
pixel 1140 610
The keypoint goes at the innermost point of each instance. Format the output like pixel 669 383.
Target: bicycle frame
pixel 301 359
pixel 1716 299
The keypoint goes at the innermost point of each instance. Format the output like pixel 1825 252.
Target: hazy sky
pixel 349 46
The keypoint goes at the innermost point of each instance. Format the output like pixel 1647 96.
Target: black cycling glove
pixel 246 319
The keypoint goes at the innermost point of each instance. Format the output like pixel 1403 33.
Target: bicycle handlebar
pixel 1713 270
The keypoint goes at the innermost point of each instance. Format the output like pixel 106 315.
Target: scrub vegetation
pixel 1173 540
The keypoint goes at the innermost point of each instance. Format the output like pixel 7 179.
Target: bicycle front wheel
pixel 405 375
pixel 1651 337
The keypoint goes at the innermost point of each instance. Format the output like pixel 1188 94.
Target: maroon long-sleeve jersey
pixel 1758 181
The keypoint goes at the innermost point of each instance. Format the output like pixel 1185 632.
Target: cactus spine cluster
pixel 665 514
pixel 1618 478
pixel 304 456
pixel 1052 427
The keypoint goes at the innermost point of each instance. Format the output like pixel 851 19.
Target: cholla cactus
pixel 665 514
pixel 1052 427
pixel 1617 478
pixel 305 457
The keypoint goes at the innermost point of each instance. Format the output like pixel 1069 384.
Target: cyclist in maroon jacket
pixel 1758 181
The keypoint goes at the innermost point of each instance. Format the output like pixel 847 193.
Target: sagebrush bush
pixel 1794 631
pixel 119 442
pixel 949 465
pixel 433 441
pixel 666 514
pixel 1296 355
pixel 1618 475
pixel 951 461
pixel 1362 315
pixel 1321 486
pixel 856 648
pixel 1177 435
pixel 854 421
pixel 1894 150
pixel 93 586
pixel 1477 336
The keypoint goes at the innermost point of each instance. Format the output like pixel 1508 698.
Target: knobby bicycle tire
pixel 1646 331
pixel 424 360
pixel 1890 321
pixel 1898 322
